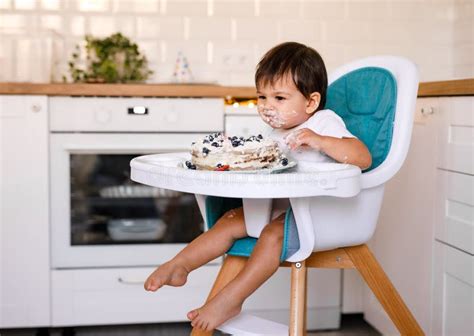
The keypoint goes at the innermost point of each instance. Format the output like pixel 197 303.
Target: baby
pixel 291 83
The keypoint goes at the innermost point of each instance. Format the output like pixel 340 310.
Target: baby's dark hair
pixel 303 63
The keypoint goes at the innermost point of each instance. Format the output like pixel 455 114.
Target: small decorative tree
pixel 114 59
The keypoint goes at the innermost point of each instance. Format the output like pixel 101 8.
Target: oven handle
pixel 120 148
pixel 130 282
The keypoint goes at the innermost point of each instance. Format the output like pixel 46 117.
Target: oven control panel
pixel 112 114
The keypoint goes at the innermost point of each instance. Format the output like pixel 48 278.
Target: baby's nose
pixel 265 107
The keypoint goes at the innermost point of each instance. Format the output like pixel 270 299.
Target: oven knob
pixel 102 116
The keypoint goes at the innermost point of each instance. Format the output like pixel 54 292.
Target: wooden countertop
pixel 459 87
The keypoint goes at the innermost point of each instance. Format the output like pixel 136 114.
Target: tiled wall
pixel 463 56
pixel 224 39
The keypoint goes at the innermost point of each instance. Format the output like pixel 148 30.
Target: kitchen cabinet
pixel 424 239
pixel 35 293
pixel 24 212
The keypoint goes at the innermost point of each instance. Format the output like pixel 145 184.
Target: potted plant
pixel 114 59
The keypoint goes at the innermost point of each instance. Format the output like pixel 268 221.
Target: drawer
pixel 456 134
pixel 116 296
pixel 455 210
pixel 245 125
pixel 98 114
pixel 453 291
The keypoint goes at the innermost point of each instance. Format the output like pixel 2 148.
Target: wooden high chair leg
pixel 298 299
pixel 383 289
pixel 230 268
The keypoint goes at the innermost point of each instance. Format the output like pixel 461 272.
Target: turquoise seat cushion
pixel 366 100
pixel 217 206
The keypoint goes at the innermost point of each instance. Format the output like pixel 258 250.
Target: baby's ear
pixel 313 102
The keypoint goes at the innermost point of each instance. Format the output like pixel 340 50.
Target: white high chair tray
pixel 315 179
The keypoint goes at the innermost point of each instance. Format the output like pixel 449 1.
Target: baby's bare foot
pixel 215 312
pixel 171 273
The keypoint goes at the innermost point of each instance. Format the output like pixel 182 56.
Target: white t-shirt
pixel 324 122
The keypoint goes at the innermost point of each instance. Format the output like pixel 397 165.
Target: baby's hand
pixel 304 137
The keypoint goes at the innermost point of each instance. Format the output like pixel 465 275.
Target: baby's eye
pixel 261 97
pixel 279 98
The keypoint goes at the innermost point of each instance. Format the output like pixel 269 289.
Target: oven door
pixel 99 217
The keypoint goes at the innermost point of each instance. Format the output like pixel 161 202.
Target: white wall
pixel 463 57
pixel 224 39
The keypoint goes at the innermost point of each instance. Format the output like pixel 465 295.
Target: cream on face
pixel 276 118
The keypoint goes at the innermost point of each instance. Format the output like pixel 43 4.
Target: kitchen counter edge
pixel 457 87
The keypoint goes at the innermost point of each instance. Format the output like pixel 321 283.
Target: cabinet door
pixel 403 240
pixel 24 208
pixel 455 210
pixel 456 134
pixel 453 290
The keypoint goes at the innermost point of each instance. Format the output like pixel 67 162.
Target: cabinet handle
pixel 427 110
pixel 130 282
pixel 36 108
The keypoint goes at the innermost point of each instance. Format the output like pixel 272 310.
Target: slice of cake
pixel 219 152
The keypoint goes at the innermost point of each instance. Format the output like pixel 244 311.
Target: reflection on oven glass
pixel 108 208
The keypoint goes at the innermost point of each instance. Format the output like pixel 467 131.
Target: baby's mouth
pixel 274 118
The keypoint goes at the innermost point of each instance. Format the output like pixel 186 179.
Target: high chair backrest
pixel 375 97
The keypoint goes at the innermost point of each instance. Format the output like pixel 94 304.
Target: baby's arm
pixel 347 150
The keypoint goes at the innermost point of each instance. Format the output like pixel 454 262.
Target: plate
pixel 274 170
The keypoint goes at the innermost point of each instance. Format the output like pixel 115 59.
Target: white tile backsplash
pixel 102 26
pixel 50 4
pixel 24 4
pixel 5 4
pixel 224 39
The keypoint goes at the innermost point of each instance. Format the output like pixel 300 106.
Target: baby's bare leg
pixel 263 262
pixel 208 246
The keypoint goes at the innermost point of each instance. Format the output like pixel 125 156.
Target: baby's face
pixel 281 105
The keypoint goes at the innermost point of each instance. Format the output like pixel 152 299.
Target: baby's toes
pixel 207 326
pixel 147 284
pixel 150 285
pixel 199 323
pixel 192 314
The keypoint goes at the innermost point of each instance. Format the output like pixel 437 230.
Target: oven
pixel 99 217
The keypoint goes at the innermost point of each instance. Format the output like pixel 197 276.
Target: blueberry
pixel 211 138
pixel 219 165
pixel 284 161
pixel 260 136
pixel 189 165
pixel 205 141
pixel 192 143
pixel 215 144
pixel 205 150
pixel 235 143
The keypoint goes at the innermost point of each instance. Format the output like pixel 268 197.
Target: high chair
pixel 376 99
